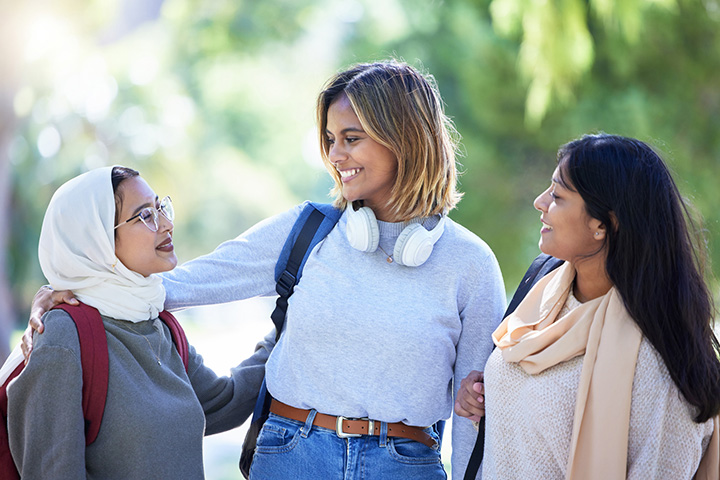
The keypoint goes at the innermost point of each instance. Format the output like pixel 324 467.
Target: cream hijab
pixel 601 329
pixel 77 251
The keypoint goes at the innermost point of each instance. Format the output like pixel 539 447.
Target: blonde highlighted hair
pixel 401 109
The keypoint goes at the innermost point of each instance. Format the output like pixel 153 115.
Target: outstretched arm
pixel 241 268
pixel 229 401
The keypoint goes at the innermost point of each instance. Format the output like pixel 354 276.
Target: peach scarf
pixel 601 329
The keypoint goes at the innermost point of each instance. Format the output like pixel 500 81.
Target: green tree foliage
pixel 214 103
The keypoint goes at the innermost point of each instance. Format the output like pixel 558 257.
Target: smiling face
pixel 568 232
pixel 368 169
pixel 136 246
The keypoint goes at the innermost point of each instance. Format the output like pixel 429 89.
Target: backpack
pixel 541 266
pixel 315 222
pixel 95 365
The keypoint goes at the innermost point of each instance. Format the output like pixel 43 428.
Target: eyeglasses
pixel 149 215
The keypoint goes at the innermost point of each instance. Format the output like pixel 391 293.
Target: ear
pixel 600 229
pixel 600 232
pixel 597 229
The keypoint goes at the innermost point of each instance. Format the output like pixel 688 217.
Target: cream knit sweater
pixel 530 420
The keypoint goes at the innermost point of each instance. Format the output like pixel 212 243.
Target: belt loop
pixel 305 429
pixel 383 434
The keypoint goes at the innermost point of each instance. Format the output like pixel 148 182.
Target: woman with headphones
pixel 395 306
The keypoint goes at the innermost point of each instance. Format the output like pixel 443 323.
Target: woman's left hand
pixel 470 399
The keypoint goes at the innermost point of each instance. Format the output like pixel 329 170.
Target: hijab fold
pixel 77 251
pixel 537 338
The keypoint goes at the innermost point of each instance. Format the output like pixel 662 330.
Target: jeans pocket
pixel 278 435
pixel 410 451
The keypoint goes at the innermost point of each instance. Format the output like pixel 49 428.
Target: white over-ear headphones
pixel 412 248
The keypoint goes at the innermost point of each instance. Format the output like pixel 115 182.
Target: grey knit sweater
pixel 364 337
pixel 155 415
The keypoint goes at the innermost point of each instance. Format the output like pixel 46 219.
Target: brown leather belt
pixel 350 427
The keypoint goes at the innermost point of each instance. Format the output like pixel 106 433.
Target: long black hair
pixel 654 257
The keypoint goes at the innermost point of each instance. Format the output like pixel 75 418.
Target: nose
pixel 542 201
pixel 164 224
pixel 337 153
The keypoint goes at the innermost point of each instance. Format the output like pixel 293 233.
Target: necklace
pixel 149 345
pixel 389 257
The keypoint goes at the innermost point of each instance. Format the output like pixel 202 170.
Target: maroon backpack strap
pixel 7 465
pixel 95 365
pixel 178 336
pixel 94 362
pixel 3 388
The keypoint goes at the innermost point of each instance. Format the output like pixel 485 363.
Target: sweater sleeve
pixel 238 269
pixel 481 305
pixel 229 401
pixel 46 427
pixel 664 441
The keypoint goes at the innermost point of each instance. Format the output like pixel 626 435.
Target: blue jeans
pixel 287 449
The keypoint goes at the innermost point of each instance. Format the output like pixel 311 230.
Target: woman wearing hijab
pixel 608 369
pixel 105 236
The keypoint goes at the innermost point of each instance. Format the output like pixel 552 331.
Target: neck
pixel 384 214
pixel 591 278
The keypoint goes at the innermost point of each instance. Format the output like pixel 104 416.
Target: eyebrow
pixel 144 205
pixel 558 181
pixel 346 130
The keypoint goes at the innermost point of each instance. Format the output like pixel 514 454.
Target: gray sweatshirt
pixel 364 337
pixel 155 415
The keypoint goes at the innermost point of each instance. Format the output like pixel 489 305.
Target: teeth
pixel 349 173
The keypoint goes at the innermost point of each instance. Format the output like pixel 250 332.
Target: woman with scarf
pixel 608 369
pixel 105 236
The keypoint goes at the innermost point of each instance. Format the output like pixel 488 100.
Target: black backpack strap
pixel 476 456
pixel 317 221
pixel 288 278
pixel 541 266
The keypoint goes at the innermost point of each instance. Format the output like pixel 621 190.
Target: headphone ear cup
pixel 414 246
pixel 362 230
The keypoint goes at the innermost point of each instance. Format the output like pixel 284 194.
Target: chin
pixel 167 265
pixel 544 249
pixel 541 246
pixel 350 198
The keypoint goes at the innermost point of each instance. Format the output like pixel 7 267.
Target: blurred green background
pixel 213 101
